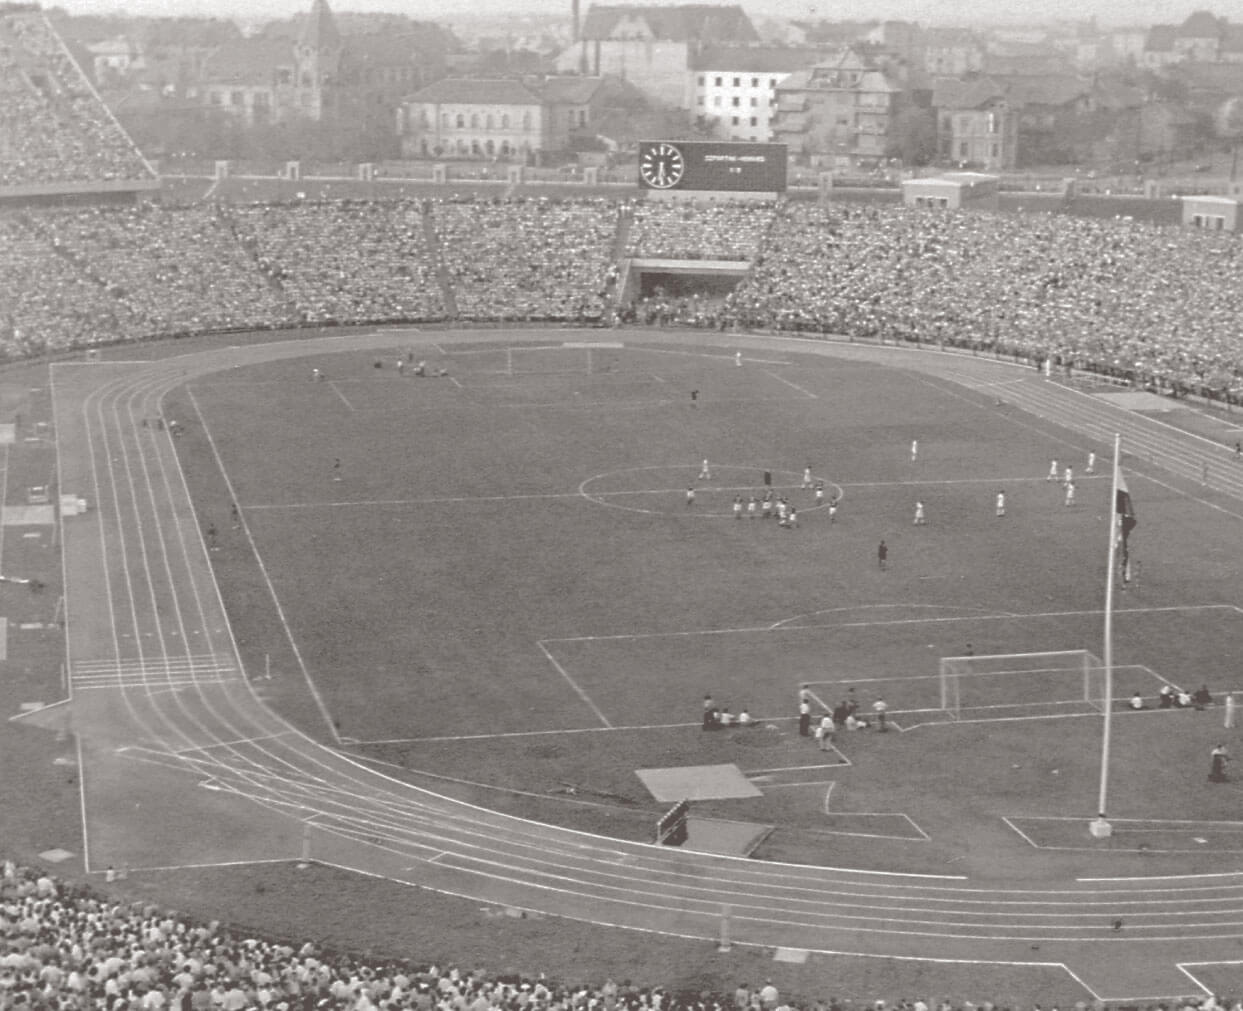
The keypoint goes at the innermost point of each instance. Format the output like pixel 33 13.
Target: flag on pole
pixel 1124 508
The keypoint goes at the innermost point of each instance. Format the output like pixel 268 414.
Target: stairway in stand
pixel 442 273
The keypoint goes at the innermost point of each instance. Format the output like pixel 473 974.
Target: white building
pixel 734 88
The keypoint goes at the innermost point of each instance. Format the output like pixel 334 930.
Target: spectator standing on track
pixel 804 717
pixel 882 556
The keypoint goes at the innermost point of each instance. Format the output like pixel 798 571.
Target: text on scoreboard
pixel 699 165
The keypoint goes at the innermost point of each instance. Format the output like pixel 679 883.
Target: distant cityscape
pixel 853 96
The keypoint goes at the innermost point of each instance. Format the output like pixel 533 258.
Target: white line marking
pixel 575 685
pixel 320 704
pixel 337 391
pixel 793 386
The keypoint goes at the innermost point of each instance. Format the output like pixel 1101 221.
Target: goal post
pixel 549 360
pixel 1018 681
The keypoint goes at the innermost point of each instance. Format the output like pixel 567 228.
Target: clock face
pixel 661 166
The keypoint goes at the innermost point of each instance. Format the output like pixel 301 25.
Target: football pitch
pixel 495 582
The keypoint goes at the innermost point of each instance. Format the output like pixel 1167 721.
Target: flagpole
pixel 1101 827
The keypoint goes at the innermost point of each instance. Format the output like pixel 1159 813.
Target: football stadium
pixel 565 598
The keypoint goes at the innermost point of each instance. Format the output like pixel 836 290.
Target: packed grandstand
pixel 1151 304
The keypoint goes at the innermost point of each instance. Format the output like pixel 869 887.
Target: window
pixel 699 100
pixel 717 81
pixel 237 98
pixel 962 149
pixel 754 122
pixel 772 82
pixel 737 82
pixel 461 121
pixel 701 80
pixel 504 120
pixel 754 102
pixel 755 82
pixel 489 123
pixel 474 121
pixel 736 101
pixel 996 150
pixel 444 120
pixel 733 120
pixel 717 101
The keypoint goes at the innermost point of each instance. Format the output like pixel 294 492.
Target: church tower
pixel 317 58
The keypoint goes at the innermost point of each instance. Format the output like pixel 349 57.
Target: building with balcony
pixel 734 88
pixel 839 113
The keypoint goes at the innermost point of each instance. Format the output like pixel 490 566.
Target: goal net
pixel 1005 685
pixel 552 361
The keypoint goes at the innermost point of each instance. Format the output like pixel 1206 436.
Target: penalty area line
pixel 578 689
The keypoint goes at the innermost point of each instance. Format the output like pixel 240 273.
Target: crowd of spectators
pixel 682 231
pixel 47 304
pixel 1154 305
pixel 67 947
pixel 53 127
pixel 175 271
pixel 345 262
pixel 528 259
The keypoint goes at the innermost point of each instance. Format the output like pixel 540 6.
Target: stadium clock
pixel 662 166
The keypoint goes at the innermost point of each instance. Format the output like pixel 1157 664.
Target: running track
pixel 158 698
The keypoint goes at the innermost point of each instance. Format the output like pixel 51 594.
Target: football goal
pixel 1012 684
pixel 560 359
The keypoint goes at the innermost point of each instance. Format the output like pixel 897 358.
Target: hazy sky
pixel 927 11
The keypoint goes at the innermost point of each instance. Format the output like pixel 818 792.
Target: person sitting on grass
pixel 1137 701
pixel 1201 697
pixel 745 719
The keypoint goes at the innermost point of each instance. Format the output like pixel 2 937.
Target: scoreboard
pixel 699 165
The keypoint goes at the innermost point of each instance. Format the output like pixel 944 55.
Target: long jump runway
pixel 183 764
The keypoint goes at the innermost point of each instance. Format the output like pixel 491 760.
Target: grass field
pixel 506 595
pixel 505 598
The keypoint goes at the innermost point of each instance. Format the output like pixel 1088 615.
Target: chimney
pixel 574 10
